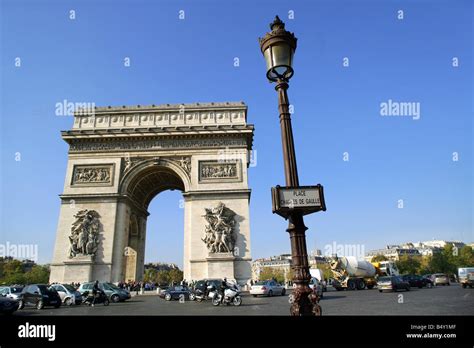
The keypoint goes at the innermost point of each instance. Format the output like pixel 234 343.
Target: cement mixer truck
pixel 350 273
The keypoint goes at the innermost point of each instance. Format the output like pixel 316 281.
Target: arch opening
pixel 141 187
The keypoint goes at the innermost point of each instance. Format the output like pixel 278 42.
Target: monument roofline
pixel 161 107
pixel 166 115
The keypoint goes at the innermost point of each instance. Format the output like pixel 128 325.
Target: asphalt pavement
pixel 444 300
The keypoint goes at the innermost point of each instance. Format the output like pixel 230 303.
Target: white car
pixel 68 294
pixel 267 288
pixel 11 291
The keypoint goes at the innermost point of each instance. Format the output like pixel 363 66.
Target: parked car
pixel 417 281
pixel 392 283
pixel 8 305
pixel 440 279
pixel 113 292
pixel 317 286
pixel 176 293
pixel 12 292
pixel 39 295
pixel 466 276
pixel 268 288
pixel 69 295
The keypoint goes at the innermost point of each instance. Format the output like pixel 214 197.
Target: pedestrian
pixel 95 290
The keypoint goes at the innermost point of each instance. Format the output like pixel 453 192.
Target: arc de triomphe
pixel 120 158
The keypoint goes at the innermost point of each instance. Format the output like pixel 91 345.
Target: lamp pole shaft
pixel 304 301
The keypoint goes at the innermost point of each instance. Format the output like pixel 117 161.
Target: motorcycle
pixel 231 295
pixel 100 297
pixel 207 294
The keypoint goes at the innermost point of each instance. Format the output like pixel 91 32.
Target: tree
pixel 150 275
pixel 378 258
pixel 466 257
pixel 37 275
pixel 16 272
pixel 175 275
pixel 163 277
pixel 408 264
pixel 268 273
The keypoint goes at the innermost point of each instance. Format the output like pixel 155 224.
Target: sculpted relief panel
pixel 220 171
pixel 84 237
pixel 86 175
pixel 219 234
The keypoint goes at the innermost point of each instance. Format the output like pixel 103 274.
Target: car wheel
pixel 270 293
pixel 192 297
pixel 69 302
pixel 254 295
pixel 408 288
pixel 283 292
pixel 429 285
pixel 464 286
pixel 168 297
pixel 351 285
pixel 106 302
pixel 115 298
pixel 58 305
pixel 21 304
pixel 449 284
pixel 40 304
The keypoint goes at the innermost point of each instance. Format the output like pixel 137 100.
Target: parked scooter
pixel 231 295
pixel 100 297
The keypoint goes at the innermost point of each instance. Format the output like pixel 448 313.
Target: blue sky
pixel 336 109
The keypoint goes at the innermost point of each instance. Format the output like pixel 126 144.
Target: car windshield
pixel 111 286
pixel 69 287
pixel 44 289
pixel 261 283
pixel 16 290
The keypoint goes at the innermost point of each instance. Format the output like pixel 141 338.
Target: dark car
pixel 8 305
pixel 392 283
pixel 176 293
pixel 39 295
pixel 417 281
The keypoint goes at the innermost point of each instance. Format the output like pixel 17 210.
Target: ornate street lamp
pixel 292 201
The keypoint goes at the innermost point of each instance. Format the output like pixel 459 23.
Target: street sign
pixel 303 199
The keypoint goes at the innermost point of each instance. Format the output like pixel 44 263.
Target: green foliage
pixel 378 258
pixel 447 261
pixel 408 264
pixel 272 273
pixel 14 272
pixel 163 276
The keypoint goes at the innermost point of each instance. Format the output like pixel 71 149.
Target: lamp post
pixel 278 47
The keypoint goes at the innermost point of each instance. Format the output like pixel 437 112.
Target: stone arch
pixel 138 152
pixel 174 177
pixel 140 184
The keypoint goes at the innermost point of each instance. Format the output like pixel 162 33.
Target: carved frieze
pixel 77 146
pixel 220 171
pixel 85 175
